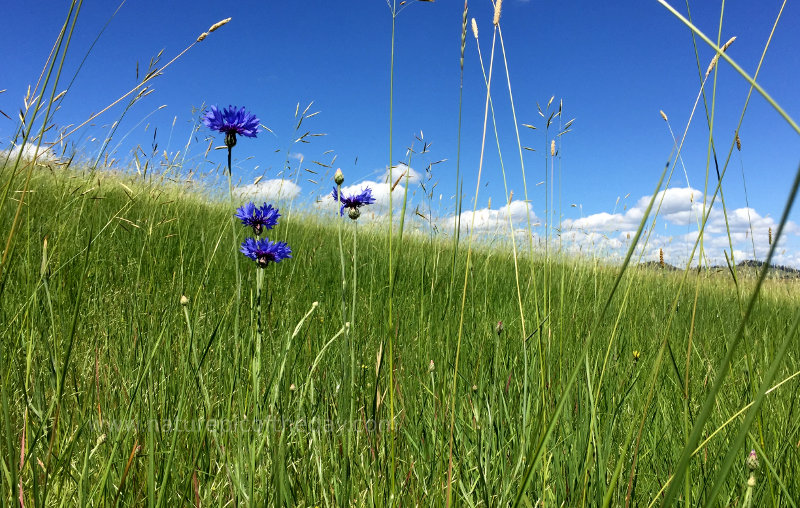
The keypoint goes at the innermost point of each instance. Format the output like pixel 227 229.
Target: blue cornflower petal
pixel 259 218
pixel 231 121
pixel 263 251
pixel 354 201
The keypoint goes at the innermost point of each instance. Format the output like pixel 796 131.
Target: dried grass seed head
pixel 498 5
pixel 219 24
pixel 714 60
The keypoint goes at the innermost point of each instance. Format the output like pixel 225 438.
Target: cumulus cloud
pixel 588 242
pixel 602 221
pixel 683 207
pixel 487 219
pixel 679 205
pixel 402 170
pixel 380 191
pixel 274 189
pixel 43 153
pixel 744 220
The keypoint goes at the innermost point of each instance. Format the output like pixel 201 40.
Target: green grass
pixel 121 252
pixel 143 368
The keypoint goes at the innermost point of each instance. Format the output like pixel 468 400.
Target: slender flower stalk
pixel 337 196
pixel 353 203
pixel 256 361
pixel 351 344
pixel 231 121
pixel 263 251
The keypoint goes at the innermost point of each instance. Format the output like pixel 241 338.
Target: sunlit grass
pixel 134 363
pixel 144 365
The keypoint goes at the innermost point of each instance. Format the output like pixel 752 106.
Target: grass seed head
pixel 497 6
pixel 738 142
pixel 219 24
pixel 464 32
pixel 474 28
pixel 714 60
pixel 663 115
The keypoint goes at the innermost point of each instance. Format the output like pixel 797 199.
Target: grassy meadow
pixel 148 362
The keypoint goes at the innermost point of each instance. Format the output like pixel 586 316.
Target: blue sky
pixel 614 65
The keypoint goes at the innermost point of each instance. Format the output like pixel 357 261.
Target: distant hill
pixel 747 268
pixel 655 265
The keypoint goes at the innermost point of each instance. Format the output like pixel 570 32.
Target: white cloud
pixel 380 191
pixel 742 220
pixel 679 205
pixel 487 219
pixel 401 170
pixel 683 207
pixel 602 221
pixel 28 151
pixel 273 189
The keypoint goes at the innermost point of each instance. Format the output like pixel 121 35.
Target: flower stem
pixel 346 342
pixel 238 274
pixel 351 344
pixel 256 370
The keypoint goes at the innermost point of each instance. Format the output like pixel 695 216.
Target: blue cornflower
pixel 231 121
pixel 262 251
pixel 257 217
pixel 354 201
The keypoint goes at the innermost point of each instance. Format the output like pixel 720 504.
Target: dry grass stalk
pixel 398 180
